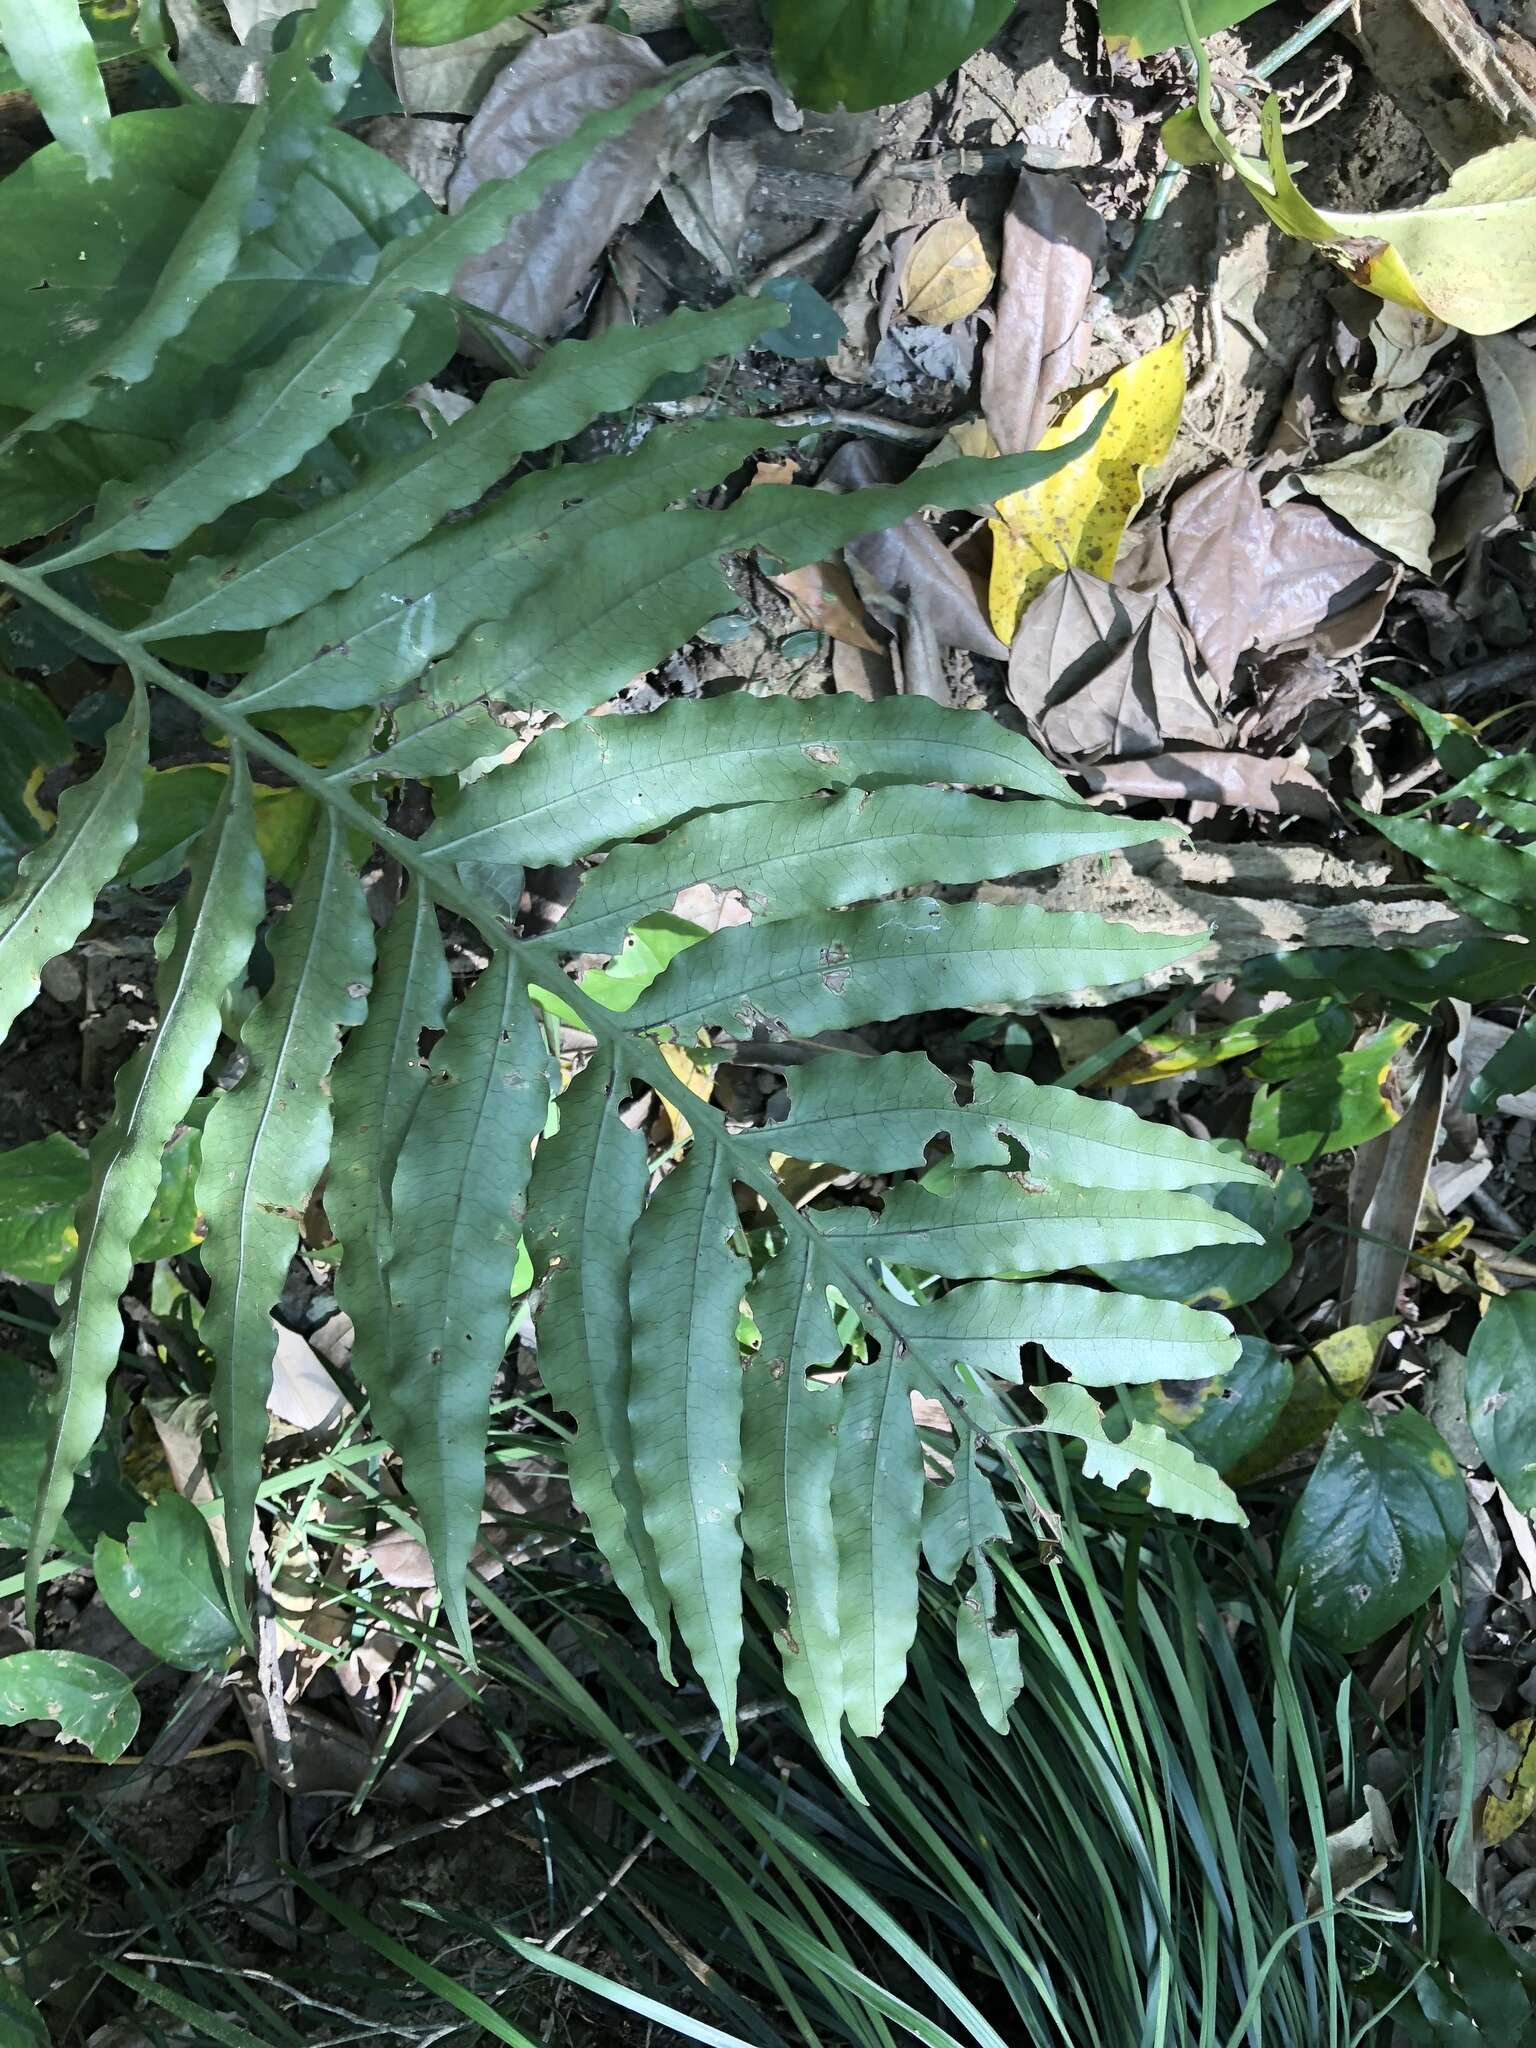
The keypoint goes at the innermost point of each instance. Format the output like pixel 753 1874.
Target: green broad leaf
pixel 426 23
pixel 178 803
pixel 215 925
pixel 1222 1418
pixel 265 1145
pixel 1224 1276
pixel 101 1500
pixel 587 1192
pixel 59 881
pixel 383 632
pixel 1511 1071
pixel 91 1702
pixel 632 596
pixel 1491 879
pixel 877 1508
pixel 51 47
pixel 163 1586
pixel 960 1520
pixel 375 1087
pixel 786 859
pixel 685 1407
pixel 1176 1478
pixel 872 53
pixel 33 739
pixel 1140 28
pixel 1501 1394
pixel 1103 1340
pixel 1338 1368
pixel 879 1115
pixel 1478 970
pixel 790 1436
pixel 814 328
pixel 1382 1519
pixel 840 969
pixel 42 1185
pixel 1332 1105
pixel 457 1202
pixel 163 254
pixel 647 950
pixel 585 785
pixel 398 501
pixel 996 1223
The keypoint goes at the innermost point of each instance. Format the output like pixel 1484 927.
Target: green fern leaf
pixel 214 926
pixel 997 1223
pixel 51 48
pixel 586 1196
pixel 880 1115
pixel 960 1520
pixel 1103 1340
pixel 838 970
pixel 265 1146
pixel 685 1404
pixel 790 1434
pixel 601 779
pixel 375 1088
pixel 793 858
pixel 458 1200
pixel 1176 1478
pixel 877 1505
pixel 59 881
pixel 289 566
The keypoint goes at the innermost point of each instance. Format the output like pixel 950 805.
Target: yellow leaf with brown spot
pixel 947 275
pixel 1317 1395
pixel 1503 1814
pixel 1077 518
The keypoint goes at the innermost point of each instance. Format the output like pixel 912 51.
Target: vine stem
pixel 639 1055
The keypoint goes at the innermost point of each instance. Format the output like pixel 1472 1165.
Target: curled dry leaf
pixel 1052 243
pixel 947 275
pixel 1206 775
pixel 1387 491
pixel 1077 517
pixel 1101 672
pixel 907 568
pixel 1507 371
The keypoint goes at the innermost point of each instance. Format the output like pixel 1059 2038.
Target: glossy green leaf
pixel 163 1586
pixel 790 1436
pixel 685 1403
pixel 1222 1418
pixel 285 568
pixel 1382 1519
pixel 265 1145
pixel 91 1702
pixel 51 48
pixel 587 1192
pixel 788 859
pixel 1501 1393
pixel 1102 1339
pixel 1176 1478
pixel 877 1507
pixel 879 1115
pixel 871 53
pixel 1140 28
pixel 42 1185
pixel 178 803
pixel 59 881
pixel 837 970
pixel 1511 1071
pixel 457 1202
pixel 1491 879
pixel 584 785
pixel 1226 1275
pixel 214 927
pixel 1333 1372
pixel 1331 1105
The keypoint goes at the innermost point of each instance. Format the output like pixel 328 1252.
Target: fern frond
pixel 877 1507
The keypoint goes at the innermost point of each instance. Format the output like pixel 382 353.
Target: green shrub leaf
pixel 871 53
pixel 51 48
pixel 1501 1396
pixel 91 1702
pixel 163 1586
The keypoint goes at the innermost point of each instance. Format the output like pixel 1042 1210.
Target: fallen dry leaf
pixel 1052 243
pixel 947 275
pixel 1218 538
pixel 1506 369
pixel 823 595
pixel 1387 491
pixel 1320 583
pixel 1477 507
pixel 1077 517
pixel 1202 775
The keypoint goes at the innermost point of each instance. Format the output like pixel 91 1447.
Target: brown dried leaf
pixel 1240 781
pixel 823 595
pixel 1052 242
pixel 1507 371
pixel 1218 536
pixel 947 275
pixel 1319 583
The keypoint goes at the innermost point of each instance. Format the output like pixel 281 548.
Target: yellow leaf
pixel 697 1080
pixel 1076 518
pixel 1501 1816
pixel 947 275
pixel 1348 1356
pixel 1467 255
